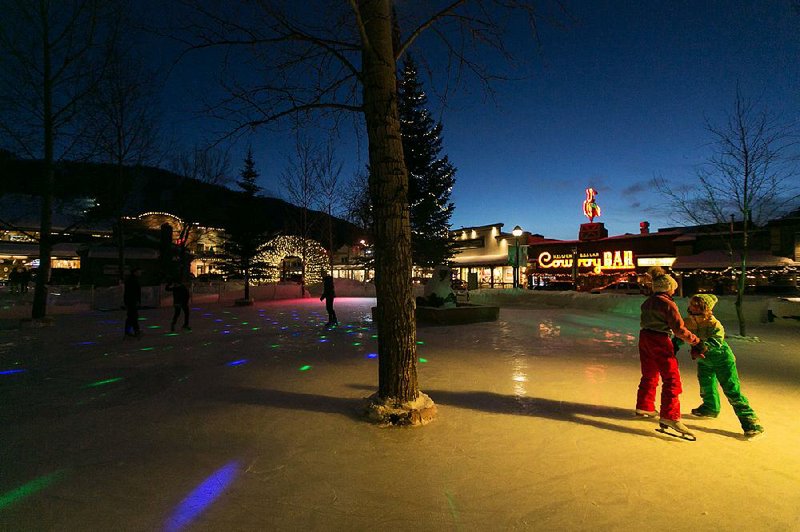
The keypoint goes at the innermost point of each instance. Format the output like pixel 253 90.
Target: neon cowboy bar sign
pixel 597 261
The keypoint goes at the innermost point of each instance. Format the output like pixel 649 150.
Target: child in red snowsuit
pixel 660 319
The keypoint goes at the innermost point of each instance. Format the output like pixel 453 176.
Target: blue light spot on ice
pixel 12 371
pixel 201 498
pixel 237 362
pixel 372 355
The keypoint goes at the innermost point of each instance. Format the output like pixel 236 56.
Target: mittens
pixel 698 351
pixel 676 344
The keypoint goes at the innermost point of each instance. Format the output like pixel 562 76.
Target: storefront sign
pixel 598 261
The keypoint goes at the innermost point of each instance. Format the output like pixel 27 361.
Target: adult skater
pixel 180 300
pixel 717 364
pixel 660 319
pixel 132 298
pixel 329 294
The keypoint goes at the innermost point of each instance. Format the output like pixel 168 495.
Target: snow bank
pixel 755 307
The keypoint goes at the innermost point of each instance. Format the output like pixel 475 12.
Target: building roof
pixel 61 250
pixel 722 259
pixel 482 260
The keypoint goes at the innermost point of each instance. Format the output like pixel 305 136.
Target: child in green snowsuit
pixel 716 363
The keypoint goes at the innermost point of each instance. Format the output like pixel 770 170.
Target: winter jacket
pixel 712 336
pixel 661 314
pixel 180 294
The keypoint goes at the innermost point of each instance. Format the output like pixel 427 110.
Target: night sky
pixel 617 96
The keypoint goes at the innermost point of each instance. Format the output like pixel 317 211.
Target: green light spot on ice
pixel 146 349
pixel 275 345
pixel 245 323
pixel 10 497
pixel 374 336
pixel 356 343
pixel 171 334
pixel 101 383
pixel 423 360
pixel 255 328
pixel 420 342
pixel 154 326
pixel 305 368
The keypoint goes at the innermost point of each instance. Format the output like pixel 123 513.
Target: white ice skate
pixel 676 429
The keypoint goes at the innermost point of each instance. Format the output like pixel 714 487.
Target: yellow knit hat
pixel 709 299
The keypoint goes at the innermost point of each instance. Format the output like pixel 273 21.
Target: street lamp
pixel 517 232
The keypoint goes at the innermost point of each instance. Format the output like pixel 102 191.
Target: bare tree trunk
pixel 39 309
pixel 388 184
pixel 741 285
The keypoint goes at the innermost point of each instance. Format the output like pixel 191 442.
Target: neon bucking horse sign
pixel 590 207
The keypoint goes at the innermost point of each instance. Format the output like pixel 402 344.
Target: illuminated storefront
pixel 486 256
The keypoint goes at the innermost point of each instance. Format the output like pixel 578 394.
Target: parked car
pixel 619 287
pixel 555 286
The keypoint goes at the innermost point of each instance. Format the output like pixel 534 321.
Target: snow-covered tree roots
pixel 390 413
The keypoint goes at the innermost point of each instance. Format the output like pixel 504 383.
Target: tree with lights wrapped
pixel 430 177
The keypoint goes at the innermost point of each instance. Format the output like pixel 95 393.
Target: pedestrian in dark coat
pixel 180 300
pixel 329 294
pixel 132 299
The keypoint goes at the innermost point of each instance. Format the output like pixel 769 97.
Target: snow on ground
pixel 249 422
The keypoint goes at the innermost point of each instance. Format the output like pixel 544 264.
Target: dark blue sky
pixel 619 96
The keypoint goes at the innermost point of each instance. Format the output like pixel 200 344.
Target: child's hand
pixel 698 351
pixel 676 344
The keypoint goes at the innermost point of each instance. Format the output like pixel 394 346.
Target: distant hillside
pixel 145 189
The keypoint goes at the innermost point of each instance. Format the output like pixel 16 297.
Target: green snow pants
pixel 720 366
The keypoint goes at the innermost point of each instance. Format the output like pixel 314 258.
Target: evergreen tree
pixel 430 176
pixel 249 176
pixel 247 230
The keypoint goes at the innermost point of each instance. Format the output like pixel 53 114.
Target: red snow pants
pixel 658 360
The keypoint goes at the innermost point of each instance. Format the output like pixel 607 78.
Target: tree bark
pixel 39 308
pixel 388 185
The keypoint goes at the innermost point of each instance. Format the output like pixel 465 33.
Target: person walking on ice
pixel 180 300
pixel 717 364
pixel 660 320
pixel 132 298
pixel 329 294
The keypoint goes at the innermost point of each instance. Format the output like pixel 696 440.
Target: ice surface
pixel 535 429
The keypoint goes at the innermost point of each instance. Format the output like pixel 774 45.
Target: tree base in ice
pixel 388 413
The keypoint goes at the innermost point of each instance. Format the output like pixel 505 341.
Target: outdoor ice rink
pixel 250 422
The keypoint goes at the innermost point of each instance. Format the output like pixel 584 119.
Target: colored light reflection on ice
pixel 103 382
pixel 372 355
pixel 237 362
pixel 10 497
pixel 423 360
pixel 86 343
pixel 305 368
pixel 12 371
pixel 202 497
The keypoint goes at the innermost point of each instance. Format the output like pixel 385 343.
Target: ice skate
pixel 752 428
pixel 646 413
pixel 676 429
pixel 702 412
